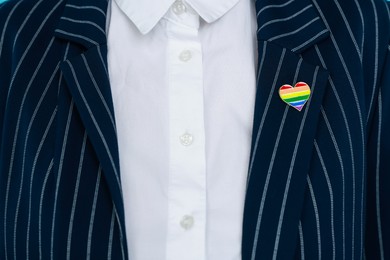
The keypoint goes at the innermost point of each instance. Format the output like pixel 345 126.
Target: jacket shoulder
pixel 26 26
pixel 21 20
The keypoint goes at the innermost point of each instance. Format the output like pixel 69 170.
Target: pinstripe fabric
pixel 317 181
pixel 57 190
pixel 315 188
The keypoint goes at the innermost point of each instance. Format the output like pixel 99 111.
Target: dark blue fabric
pixel 318 179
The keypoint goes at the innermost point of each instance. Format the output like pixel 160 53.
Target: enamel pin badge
pixel 296 96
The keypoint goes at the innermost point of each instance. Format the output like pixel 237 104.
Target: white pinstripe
pixel 37 154
pixel 96 125
pixel 39 149
pixel 25 22
pixel 60 167
pixel 265 112
pixel 310 40
pixel 87 7
pixel 110 240
pixel 357 102
pixel 93 211
pixel 266 184
pixel 261 62
pixel 352 158
pixel 363 27
pixel 60 77
pixel 102 60
pixel 342 170
pixel 27 50
pixel 105 145
pixel 295 31
pixel 40 208
pixel 75 194
pixel 377 188
pixel 98 91
pixel 346 71
pixel 260 67
pixel 83 22
pixel 292 164
pixel 375 81
pixel 120 234
pixel 346 23
pixel 285 18
pixel 77 36
pixel 301 241
pixel 274 6
pixel 14 148
pixel 317 217
pixel 349 140
pixel 270 167
pixel 64 143
pixel 330 197
pixel 5 28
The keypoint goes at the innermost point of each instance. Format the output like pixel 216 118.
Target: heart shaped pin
pixel 296 96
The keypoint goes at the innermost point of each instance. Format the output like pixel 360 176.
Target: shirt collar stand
pixel 146 14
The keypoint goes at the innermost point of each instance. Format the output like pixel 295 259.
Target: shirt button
pixel 186 139
pixel 178 7
pixel 187 222
pixel 185 55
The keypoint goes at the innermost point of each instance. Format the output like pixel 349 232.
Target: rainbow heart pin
pixel 296 96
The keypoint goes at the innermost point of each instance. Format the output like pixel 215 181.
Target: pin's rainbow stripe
pixel 296 96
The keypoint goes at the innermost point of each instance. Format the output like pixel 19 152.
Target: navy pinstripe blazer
pixel 318 181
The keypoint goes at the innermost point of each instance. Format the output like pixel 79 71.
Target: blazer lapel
pixel 87 78
pixel 283 137
pixel 295 25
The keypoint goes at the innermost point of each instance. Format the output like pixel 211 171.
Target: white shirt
pixel 183 82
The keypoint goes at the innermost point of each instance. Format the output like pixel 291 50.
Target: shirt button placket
pixel 187 157
pixel 186 139
pixel 187 222
pixel 185 55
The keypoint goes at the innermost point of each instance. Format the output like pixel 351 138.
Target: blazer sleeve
pixel 378 172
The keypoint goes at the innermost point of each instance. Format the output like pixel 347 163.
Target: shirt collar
pixel 146 14
pixel 211 10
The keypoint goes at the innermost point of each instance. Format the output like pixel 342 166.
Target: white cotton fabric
pixel 183 86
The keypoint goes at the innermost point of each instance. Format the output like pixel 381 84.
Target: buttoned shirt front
pixel 183 83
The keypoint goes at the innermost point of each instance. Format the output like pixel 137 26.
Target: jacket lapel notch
pixel 87 80
pixel 295 25
pixel 86 76
pixel 83 22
